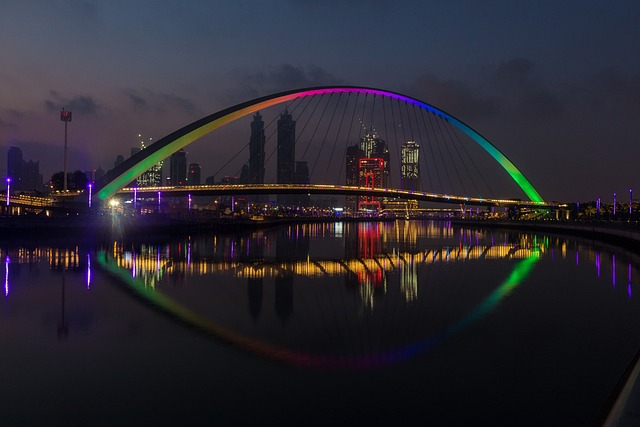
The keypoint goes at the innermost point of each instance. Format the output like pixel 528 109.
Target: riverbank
pixel 120 226
pixel 624 234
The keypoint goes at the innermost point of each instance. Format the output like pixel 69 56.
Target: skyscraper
pixel 151 177
pixel 410 166
pixel 25 175
pixel 367 166
pixel 374 147
pixel 256 151
pixel 31 176
pixel 351 171
pixel 14 167
pixel 371 175
pixel 178 168
pixel 286 163
pixel 302 177
pixel 194 174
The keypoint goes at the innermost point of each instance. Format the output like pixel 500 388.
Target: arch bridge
pixel 117 179
pixel 326 189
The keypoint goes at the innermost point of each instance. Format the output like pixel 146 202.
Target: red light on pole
pixel 65 116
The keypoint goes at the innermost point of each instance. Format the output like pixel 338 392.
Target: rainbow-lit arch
pixel 137 164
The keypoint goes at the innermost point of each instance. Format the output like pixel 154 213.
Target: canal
pixel 412 322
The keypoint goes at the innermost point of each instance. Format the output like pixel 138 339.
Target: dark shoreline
pixel 106 227
pixel 622 234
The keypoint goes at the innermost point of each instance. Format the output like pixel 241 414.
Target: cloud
pixel 454 97
pixel 272 79
pixel 514 73
pixel 81 104
pixel 619 94
pixel 10 119
pixel 159 103
pixel 6 125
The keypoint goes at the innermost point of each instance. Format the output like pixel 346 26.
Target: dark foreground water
pixel 346 323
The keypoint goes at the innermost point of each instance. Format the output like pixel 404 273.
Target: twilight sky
pixel 554 84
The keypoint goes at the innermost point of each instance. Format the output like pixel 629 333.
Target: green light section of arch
pixel 202 127
pixel 511 169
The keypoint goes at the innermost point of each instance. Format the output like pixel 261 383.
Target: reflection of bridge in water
pixel 367 274
pixel 144 263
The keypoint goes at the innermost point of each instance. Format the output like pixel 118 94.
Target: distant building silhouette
pixel 353 155
pixel 119 160
pixel 14 167
pixel 178 168
pixel 302 177
pixel 194 174
pixel 286 162
pixel 256 151
pixel 25 175
pixel 31 176
pixel 98 173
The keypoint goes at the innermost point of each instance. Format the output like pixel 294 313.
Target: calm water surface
pixel 396 322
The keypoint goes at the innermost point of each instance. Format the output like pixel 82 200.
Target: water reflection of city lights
pixel 6 275
pixel 88 271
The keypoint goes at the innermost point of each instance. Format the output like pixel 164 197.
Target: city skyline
pixel 555 87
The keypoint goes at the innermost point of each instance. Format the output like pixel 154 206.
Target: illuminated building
pixel 153 176
pixel 371 175
pixel 410 166
pixel 372 146
pixel 367 165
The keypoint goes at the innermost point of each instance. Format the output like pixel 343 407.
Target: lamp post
pixel 65 116
pixel 8 189
pixel 8 193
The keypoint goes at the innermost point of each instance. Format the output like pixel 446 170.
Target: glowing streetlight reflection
pixel 6 275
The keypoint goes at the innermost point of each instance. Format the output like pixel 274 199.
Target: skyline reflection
pixel 296 273
pixel 365 253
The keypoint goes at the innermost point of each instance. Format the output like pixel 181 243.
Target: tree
pixel 75 181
